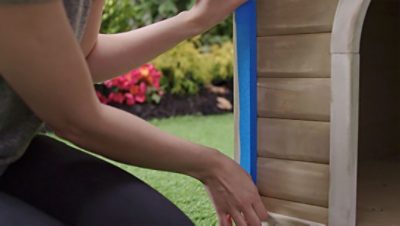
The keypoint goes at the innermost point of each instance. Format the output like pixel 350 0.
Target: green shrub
pixel 187 68
pixel 192 64
pixel 221 57
pixel 125 15
pixel 156 10
pixel 119 16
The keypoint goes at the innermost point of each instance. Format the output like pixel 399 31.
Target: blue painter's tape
pixel 246 47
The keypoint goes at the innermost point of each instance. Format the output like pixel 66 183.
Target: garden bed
pixel 208 101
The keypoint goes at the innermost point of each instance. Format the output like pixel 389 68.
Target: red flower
pixel 142 88
pixel 131 88
pixel 116 97
pixel 134 90
pixel 140 98
pixel 156 83
pixel 108 83
pixel 130 100
pixel 144 70
pixel 102 98
pixel 141 95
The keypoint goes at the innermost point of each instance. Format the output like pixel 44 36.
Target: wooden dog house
pixel 318 108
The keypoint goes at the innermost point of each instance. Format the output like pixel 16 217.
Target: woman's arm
pixel 115 54
pixel 44 64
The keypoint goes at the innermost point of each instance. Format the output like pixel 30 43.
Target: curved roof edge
pixel 348 25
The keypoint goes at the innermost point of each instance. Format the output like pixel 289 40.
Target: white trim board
pixel 281 220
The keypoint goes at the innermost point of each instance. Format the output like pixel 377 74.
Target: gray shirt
pixel 18 124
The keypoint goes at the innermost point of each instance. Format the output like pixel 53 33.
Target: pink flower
pixel 135 74
pixel 108 83
pixel 125 85
pixel 132 87
pixel 116 97
pixel 130 100
pixel 141 95
pixel 142 87
pixel 101 97
pixel 144 70
pixel 141 98
pixel 133 78
pixel 156 83
pixel 120 82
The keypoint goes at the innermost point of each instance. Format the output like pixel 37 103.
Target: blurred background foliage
pixel 192 64
pixel 125 15
pixel 187 68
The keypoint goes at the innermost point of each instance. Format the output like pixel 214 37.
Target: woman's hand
pixel 207 13
pixel 234 195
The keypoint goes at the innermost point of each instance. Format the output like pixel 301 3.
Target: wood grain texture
pixel 295 181
pixel 294 140
pixel 294 56
pixel 295 16
pixel 298 210
pixel 294 98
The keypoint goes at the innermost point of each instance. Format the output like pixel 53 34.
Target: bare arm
pixel 44 64
pixel 115 54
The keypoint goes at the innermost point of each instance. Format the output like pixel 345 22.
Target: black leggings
pixel 54 184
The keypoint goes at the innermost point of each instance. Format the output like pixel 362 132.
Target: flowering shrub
pixel 137 86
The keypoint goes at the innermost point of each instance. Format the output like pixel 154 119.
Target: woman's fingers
pixel 237 196
pixel 260 209
pixel 238 218
pixel 239 3
pixel 224 219
pixel 208 13
pixel 251 217
pixel 248 217
pixel 230 220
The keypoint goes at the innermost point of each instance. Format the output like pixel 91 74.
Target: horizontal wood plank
pixel 295 56
pixel 293 17
pixel 293 98
pixel 294 140
pixel 295 181
pixel 297 210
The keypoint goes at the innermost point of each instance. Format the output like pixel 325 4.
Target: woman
pixel 50 56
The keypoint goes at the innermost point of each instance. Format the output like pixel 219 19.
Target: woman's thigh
pixel 79 189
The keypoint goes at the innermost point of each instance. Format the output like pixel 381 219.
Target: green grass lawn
pixel 187 193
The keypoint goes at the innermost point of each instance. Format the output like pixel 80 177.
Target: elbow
pixel 75 129
pixel 69 132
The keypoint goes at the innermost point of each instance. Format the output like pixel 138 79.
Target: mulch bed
pixel 205 103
